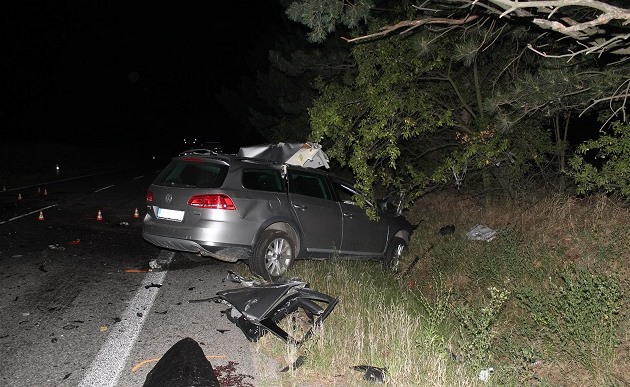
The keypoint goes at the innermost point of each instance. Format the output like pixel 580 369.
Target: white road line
pixel 30 213
pixel 112 357
pixel 104 188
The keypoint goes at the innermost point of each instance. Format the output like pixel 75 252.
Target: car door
pixel 319 215
pixel 361 235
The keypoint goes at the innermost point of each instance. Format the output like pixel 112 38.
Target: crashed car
pixel 268 205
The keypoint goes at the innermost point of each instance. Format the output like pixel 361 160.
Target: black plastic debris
pixel 153 286
pixel 371 373
pixel 183 365
pixel 447 230
pixel 239 279
pixel 297 363
pixel 415 261
pixel 258 309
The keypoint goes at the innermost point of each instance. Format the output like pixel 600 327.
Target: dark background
pixel 134 77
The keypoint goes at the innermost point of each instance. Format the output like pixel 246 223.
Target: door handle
pixel 299 207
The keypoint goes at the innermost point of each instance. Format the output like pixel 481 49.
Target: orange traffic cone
pixel 136 214
pixel 19 197
pixel 99 216
pixel 41 215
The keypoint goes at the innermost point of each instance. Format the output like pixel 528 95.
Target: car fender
pixel 285 224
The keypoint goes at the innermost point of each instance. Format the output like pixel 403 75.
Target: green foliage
pixel 603 164
pixel 577 317
pixel 437 309
pixel 493 102
pixel 363 120
pixel 322 16
pixel 477 327
pixel 485 263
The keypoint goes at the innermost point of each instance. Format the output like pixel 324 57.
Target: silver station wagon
pixel 259 206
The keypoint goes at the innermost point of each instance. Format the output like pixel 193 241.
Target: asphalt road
pixel 78 305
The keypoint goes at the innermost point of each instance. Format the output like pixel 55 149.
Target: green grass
pixel 545 303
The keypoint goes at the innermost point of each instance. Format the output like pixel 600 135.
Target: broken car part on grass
pixel 258 308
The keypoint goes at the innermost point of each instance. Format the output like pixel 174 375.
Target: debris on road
pixel 296 364
pixel 239 279
pixel 481 233
pixel 259 308
pixel 371 373
pixel 154 265
pixel 447 230
pixel 484 375
pixel 136 271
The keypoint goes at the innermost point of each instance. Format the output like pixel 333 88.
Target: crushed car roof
pixel 309 155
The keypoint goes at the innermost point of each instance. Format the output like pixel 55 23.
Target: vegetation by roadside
pixel 545 303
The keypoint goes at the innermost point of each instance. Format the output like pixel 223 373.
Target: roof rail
pixel 199 151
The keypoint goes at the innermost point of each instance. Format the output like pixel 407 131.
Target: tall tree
pixel 501 96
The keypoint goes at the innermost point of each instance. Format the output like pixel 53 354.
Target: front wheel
pixel 393 254
pixel 274 254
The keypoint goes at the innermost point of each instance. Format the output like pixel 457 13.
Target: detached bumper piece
pixel 258 309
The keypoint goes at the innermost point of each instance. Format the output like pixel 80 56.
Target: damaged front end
pixel 258 308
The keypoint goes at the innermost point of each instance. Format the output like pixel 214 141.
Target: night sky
pixel 147 73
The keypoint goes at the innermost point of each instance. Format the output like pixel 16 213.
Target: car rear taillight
pixel 215 201
pixel 149 196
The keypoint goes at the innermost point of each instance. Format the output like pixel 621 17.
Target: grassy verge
pixel 545 303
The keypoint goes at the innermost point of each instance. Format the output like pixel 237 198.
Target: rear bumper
pixel 222 253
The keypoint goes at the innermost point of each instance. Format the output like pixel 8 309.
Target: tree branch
pixel 410 25
pixel 554 15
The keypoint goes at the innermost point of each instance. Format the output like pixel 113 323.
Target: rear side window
pixel 192 175
pixel 262 180
pixel 303 183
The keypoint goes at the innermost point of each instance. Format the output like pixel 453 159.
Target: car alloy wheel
pixel 394 254
pixel 274 254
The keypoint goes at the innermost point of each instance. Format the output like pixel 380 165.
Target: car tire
pixel 274 255
pixel 393 254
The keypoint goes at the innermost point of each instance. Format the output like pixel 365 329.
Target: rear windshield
pixel 192 175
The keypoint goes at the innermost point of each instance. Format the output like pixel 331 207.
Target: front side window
pixel 308 184
pixel 344 192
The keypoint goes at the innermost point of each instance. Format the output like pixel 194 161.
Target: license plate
pixel 165 213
